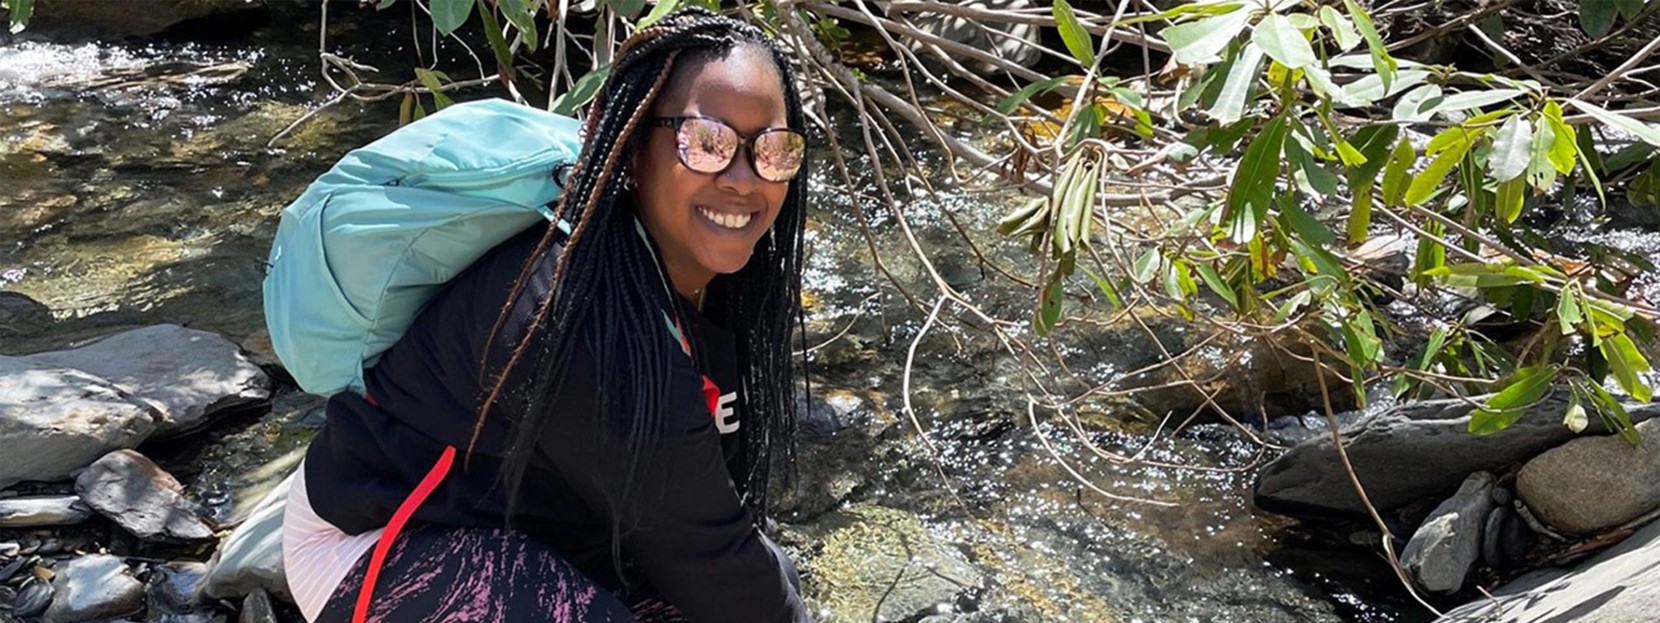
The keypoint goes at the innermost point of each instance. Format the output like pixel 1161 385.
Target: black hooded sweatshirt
pixel 684 534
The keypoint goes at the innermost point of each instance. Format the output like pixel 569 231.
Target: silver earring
pixel 628 182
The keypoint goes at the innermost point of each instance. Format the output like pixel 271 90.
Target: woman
pixel 618 393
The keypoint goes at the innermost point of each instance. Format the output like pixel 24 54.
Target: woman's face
pixel 708 223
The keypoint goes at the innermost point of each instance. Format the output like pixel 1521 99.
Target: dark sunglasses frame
pixel 746 143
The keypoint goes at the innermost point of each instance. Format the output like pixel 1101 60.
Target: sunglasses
pixel 708 146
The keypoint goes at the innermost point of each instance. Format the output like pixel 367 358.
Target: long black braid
pixel 608 293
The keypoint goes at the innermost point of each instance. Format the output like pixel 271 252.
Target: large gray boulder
pixel 1410 451
pixel 54 420
pixel 185 374
pixel 1449 541
pixel 41 511
pixel 1570 488
pixel 94 588
pixel 138 495
pixel 1620 585
pixel 127 17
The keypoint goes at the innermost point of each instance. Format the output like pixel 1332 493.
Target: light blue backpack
pixel 360 253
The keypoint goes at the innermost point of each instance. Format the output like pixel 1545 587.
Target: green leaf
pixel 1310 229
pixel 1106 287
pixel 1283 42
pixel 1564 147
pixel 1427 182
pixel 1568 314
pixel 448 15
pixel 1317 179
pixel 1575 418
pixel 663 9
pixel 1025 93
pixel 1382 62
pixel 1397 175
pixel 1077 40
pixel 1198 42
pixel 1627 363
pixel 584 90
pixel 1512 148
pixel 1373 87
pixel 1410 108
pixel 1147 266
pixel 1253 182
pixel 522 16
pixel 1629 8
pixel 1472 100
pixel 1290 306
pixel 1218 285
pixel 1342 30
pixel 1360 214
pixel 1023 219
pixel 1649 134
pixel 1510 197
pixel 1596 16
pixel 1361 340
pixel 430 80
pixel 1524 388
pixel 1236 88
pixel 21 11
pixel 1374 143
pixel 627 8
pixel 1049 312
pixel 1612 413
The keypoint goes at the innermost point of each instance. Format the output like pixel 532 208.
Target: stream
pixel 139 188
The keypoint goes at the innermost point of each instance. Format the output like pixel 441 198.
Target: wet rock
pixel 139 496
pixel 94 588
pixel 1499 528
pixel 32 599
pixel 175 587
pixel 188 376
pixel 1442 550
pixel 21 315
pixel 54 420
pixel 831 411
pixel 38 511
pixel 1570 487
pixel 881 564
pixel 128 17
pixel 251 557
pixel 1620 584
pixel 256 608
pixel 1409 451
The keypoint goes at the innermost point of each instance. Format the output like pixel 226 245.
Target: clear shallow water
pixel 139 188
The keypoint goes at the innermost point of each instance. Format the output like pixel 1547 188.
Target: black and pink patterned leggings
pixel 438 574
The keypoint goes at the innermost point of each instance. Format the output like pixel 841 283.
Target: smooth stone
pixel 32 599
pixel 94 588
pixel 881 564
pixel 251 557
pixel 139 496
pixel 1441 552
pixel 832 411
pixel 1407 452
pixel 1515 541
pixel 1594 483
pixel 54 420
pixel 21 315
pixel 1493 535
pixel 1502 496
pixel 256 608
pixel 41 511
pixel 1620 584
pixel 176 587
pixel 187 375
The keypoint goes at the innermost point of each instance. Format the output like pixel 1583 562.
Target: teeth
pixel 729 221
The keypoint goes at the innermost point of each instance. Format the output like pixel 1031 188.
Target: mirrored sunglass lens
pixel 707 146
pixel 778 154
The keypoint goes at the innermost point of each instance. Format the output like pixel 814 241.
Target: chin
pixel 727 264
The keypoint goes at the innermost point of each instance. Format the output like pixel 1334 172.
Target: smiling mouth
pixel 728 221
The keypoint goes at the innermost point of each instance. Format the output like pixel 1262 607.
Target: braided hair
pixel 608 295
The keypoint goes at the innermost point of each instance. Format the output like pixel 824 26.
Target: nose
pixel 740 176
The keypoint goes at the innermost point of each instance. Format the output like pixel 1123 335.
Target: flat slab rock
pixel 185 374
pixel 138 495
pixel 94 588
pixel 54 420
pixel 1442 550
pixel 250 559
pixel 43 511
pixel 1410 451
pixel 1619 585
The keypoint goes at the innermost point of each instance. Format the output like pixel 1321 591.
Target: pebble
pixel 32 600
pixel 1502 496
pixel 11 549
pixel 175 587
pixel 13 567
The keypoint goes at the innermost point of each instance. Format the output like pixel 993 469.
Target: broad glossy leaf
pixel 448 15
pixel 1629 8
pixel 1397 175
pixel 1524 388
pixel 1510 196
pixel 1360 214
pixel 1320 80
pixel 1217 284
pixel 1382 62
pixel 1147 266
pixel 1342 30
pixel 1236 87
pixel 1470 100
pixel 1627 363
pixel 1512 147
pixel 1568 314
pixel 1313 174
pixel 1200 41
pixel 1612 412
pixel 1648 133
pixel 1596 16
pixel 585 89
pixel 1425 184
pixel 1308 228
pixel 1077 40
pixel 1283 42
pixel 1016 99
pixel 1106 287
pixel 1565 146
pixel 1373 87
pixel 1049 312
pixel 1253 183
pixel 521 15
pixel 21 11
pixel 1410 108
pixel 1374 144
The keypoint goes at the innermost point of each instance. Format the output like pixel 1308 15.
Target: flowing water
pixel 137 186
